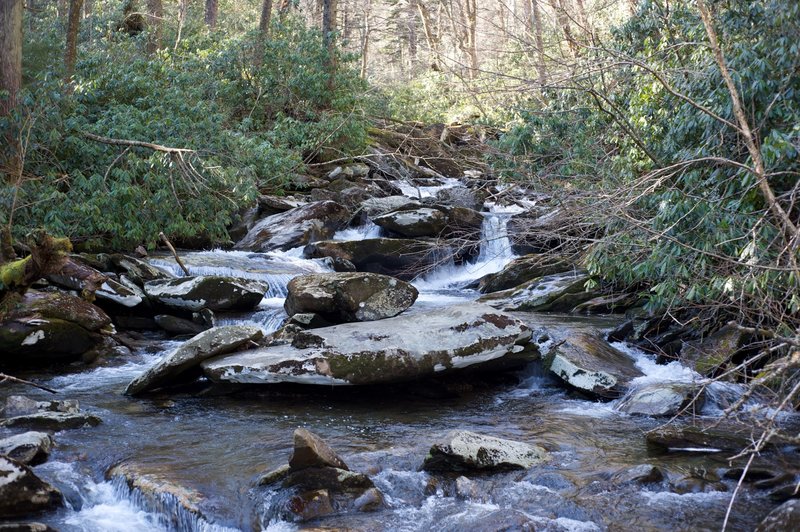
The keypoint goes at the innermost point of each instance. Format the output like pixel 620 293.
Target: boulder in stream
pixel 22 492
pixel 374 207
pixel 462 450
pixel 51 327
pixel 663 399
pixel 25 527
pixel 414 223
pixel 521 270
pixel 345 297
pixel 461 336
pixel 297 227
pixel 207 291
pixel 207 344
pixel 311 451
pixel 589 364
pixel 699 438
pixel 783 518
pixel 21 411
pixel 29 448
pixel 559 292
pixel 397 257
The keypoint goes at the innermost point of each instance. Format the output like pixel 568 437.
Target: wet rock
pixel 589 364
pixel 369 501
pixel 641 474
pixel 558 293
pixel 25 527
pixel 338 265
pixel 331 478
pixel 308 320
pixel 462 197
pixel 753 474
pixel 783 518
pixel 19 405
pixel 461 336
pixel 178 504
pixel 123 293
pixel 176 325
pixel 311 451
pixel 211 292
pixel 401 258
pixel 698 438
pixel 268 205
pixel 54 421
pixel 29 448
pixel 414 223
pixel 607 303
pixel 466 489
pixel 663 399
pixel 210 343
pixel 344 297
pixel 692 484
pixel 374 207
pixel 274 476
pixel 22 492
pixel 776 480
pixel 521 270
pixel 504 520
pixel 311 505
pixel 466 451
pixel 785 493
pixel 50 326
pixel 297 227
pixel 137 270
pixel 711 354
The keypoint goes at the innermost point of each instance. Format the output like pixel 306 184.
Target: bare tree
pixel 365 36
pixel 10 53
pixel 212 10
pixel 73 25
pixel 536 23
pixel 155 9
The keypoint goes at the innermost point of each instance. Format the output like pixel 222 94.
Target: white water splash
pixel 362 232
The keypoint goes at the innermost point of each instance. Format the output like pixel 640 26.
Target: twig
pixel 166 241
pixel 4 377
pixel 136 143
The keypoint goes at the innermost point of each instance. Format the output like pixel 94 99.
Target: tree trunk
pixel 328 29
pixel 471 12
pixel 88 8
pixel 212 9
pixel 536 19
pixel 411 28
pixel 156 11
pixel 562 10
pixel 365 38
pixel 10 53
pixel 283 9
pixel 183 11
pixel 430 37
pixel 73 25
pixel 583 20
pixel 266 15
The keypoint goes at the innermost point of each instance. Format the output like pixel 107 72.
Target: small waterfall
pixel 494 255
pixel 415 192
pixel 362 232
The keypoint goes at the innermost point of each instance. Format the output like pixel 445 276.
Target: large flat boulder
pixel 398 257
pixel 188 356
pixel 559 292
pixel 454 338
pixel 345 297
pixel 414 223
pixel 206 291
pixel 22 492
pixel 29 448
pixel 589 364
pixel 297 227
pixel 521 270
pixel 462 450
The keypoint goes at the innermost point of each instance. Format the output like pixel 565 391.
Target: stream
pixel 214 446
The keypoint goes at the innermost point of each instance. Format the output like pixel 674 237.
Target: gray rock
pixel 138 270
pixel 207 344
pixel 589 364
pixel 397 257
pixel 344 297
pixel 663 399
pixel 465 451
pixel 25 527
pixel 22 492
pixel 558 293
pixel 297 227
pixel 712 353
pixel 521 270
pixel 29 448
pixel 311 451
pixel 122 292
pixel 783 518
pixel 457 337
pixel 176 325
pixel 369 501
pixel 53 421
pixel 211 292
pixel 19 405
pixel 722 437
pixel 641 474
pixel 378 206
pixel 462 197
pixel 274 476
pixel 414 223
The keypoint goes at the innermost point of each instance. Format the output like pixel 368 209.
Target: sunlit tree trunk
pixel 328 29
pixel 10 53
pixel 471 15
pixel 430 36
pixel 536 20
pixel 562 15
pixel 583 20
pixel 212 10
pixel 411 30
pixel 73 25
pixel 156 11
pixel 365 38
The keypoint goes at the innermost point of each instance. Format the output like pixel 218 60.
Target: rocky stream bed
pixel 378 314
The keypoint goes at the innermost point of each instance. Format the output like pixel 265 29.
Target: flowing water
pixel 214 447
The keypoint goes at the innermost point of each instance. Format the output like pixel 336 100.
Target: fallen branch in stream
pixel 4 378
pixel 166 241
